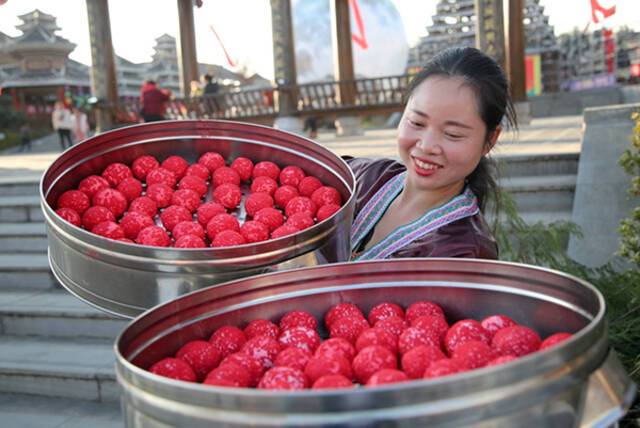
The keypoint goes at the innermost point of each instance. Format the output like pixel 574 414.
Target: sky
pixel 245 25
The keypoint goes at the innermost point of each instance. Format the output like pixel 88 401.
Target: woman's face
pixel 441 136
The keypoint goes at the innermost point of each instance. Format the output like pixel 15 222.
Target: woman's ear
pixel 493 138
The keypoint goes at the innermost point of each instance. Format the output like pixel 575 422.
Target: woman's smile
pixel 425 168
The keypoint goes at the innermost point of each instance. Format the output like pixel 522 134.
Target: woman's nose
pixel 428 142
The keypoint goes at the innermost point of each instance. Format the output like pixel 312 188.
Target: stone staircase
pixel 541 185
pixel 56 352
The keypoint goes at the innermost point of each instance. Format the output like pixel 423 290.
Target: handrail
pixel 352 97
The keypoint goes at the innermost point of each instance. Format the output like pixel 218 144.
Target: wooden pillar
pixel 342 52
pixel 284 58
pixel 187 57
pixel 490 29
pixel 103 65
pixel 514 48
pixel 343 66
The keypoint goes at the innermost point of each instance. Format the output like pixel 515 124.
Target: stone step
pixel 28 184
pixel 76 368
pixel 30 411
pixel 55 313
pixel 545 217
pixel 533 217
pixel 538 164
pixel 541 193
pixel 23 237
pixel 20 209
pixel 25 271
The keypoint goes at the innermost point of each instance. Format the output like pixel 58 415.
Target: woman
pixel 432 205
pixel 80 124
pixel 62 123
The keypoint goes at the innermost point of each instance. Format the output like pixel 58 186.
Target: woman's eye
pixel 453 136
pixel 414 123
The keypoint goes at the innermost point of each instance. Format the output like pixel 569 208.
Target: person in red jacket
pixel 152 100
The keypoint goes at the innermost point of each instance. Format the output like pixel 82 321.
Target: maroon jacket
pixel 153 101
pixel 467 237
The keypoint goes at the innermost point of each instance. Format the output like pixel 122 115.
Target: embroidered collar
pixel 463 205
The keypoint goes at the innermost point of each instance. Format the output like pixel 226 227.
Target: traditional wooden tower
pixel 164 65
pixel 454 24
pixel 599 58
pixel 37 68
pixel 583 57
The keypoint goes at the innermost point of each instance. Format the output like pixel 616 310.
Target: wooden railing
pixel 357 97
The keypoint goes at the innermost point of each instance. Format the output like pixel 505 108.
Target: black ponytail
pixel 483 184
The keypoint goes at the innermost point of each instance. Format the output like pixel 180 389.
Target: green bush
pixel 10 119
pixel 630 227
pixel 537 244
pixel 11 138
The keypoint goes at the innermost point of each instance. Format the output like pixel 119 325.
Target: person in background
pixel 62 123
pixel 25 138
pixel 210 87
pixel 197 108
pixel 80 124
pixel 153 101
pixel 432 204
pixel 311 125
pixel 216 103
pixel 196 89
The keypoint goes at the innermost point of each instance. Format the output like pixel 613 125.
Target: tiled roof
pixel 166 37
pixel 39 14
pixel 36 35
pixel 74 73
pixel 40 35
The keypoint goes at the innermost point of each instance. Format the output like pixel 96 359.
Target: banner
pixel 609 50
pixel 533 75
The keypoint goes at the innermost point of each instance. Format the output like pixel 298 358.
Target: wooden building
pixel 35 68
pixel 454 24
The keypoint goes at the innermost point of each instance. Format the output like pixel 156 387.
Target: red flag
pixel 229 60
pixel 360 38
pixel 605 12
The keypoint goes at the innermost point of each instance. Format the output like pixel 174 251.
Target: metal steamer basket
pixel 126 279
pixel 577 383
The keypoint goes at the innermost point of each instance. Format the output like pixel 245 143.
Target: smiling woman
pixel 431 205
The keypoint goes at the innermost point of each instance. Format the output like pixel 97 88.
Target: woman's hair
pixel 491 88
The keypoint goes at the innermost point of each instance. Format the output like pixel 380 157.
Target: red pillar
pixel 15 99
pixel 61 96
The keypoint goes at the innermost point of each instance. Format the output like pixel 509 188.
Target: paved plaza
pixel 542 136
